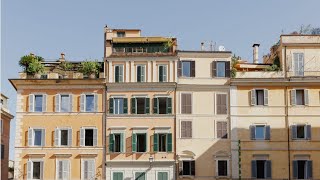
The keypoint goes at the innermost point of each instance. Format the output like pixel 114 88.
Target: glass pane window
pixel 64 138
pixel 89 103
pixel 141 73
pixel 260 97
pixel 222 168
pixel 121 34
pixel 186 68
pixel 162 73
pixel 89 137
pixel 162 142
pixel 36 174
pixel 301 132
pixel 221 69
pixel 65 100
pixel 300 97
pixel 37 137
pixel 260 132
pixel 118 105
pixel 38 103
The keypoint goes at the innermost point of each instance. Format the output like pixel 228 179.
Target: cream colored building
pixel 202 115
pixel 275 115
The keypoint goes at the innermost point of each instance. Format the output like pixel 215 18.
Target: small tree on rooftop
pixel 89 67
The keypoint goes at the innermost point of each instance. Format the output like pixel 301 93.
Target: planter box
pixel 77 75
pixel 22 75
pixel 52 75
pixel 101 75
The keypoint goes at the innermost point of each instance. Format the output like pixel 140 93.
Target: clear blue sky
pixel 75 27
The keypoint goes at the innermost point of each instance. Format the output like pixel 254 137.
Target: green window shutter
pixel 169 142
pixel 155 106
pixel 155 142
pixel 145 143
pixel 125 105
pixel 122 142
pixel 117 176
pixel 147 107
pixel 133 106
pixel 116 73
pixel 110 105
pixel 169 106
pixel 134 142
pixel 160 73
pixel 111 142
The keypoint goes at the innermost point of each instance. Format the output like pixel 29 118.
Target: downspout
pixel 286 104
pixel 104 127
pixel 175 132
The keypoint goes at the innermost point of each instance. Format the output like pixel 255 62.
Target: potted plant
pixel 66 67
pixel 90 68
pixel 25 62
pixel 35 68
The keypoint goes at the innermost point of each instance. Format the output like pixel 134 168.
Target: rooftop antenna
pixel 211 46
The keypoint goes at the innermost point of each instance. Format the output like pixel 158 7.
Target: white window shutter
pixel 253 97
pixel 82 135
pixel 164 73
pixel 69 137
pixel 31 102
pixel 85 169
pixel 306 97
pixel 57 137
pixel 57 102
pixel 91 169
pixel 121 74
pixel 266 97
pixel 60 170
pixel 95 102
pixel 293 97
pixel 44 103
pixel 95 137
pixel 82 102
pixel 70 103
pixel 65 169
pixel 43 137
pixel 143 77
pixel 30 137
pixel 29 170
pixel 41 169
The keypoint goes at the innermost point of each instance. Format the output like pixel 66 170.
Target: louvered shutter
pixel 306 97
pixel 169 142
pixel 110 105
pixel 145 142
pixel 155 142
pixel 133 106
pixel 253 132
pixel 193 168
pixel 309 170
pixel 95 137
pixel 82 137
pixel 134 142
pixel 70 102
pixel 295 169
pixel 44 103
pixel 85 169
pixel 161 73
pixel 213 68
pixel 66 169
pixel 111 142
pixel 294 132
pixel 122 141
pixel 82 102
pixel 43 137
pixel 193 69
pixel 308 131
pixel 267 132
pixel 183 103
pixel 224 130
pixel 179 69
pixel 57 137
pixel 125 105
pixel 29 170
pixel 41 169
pixel 293 97
pixel 31 102
pixel 227 68
pixel 70 137
pixel 253 97
pixel 30 137
pixel 253 169
pixel 268 169
pixel 57 102
pixel 180 167
pixel 169 106
pixel 147 105
pixel 143 71
pixel 164 74
pixel 60 169
pixel 266 97
pixel 155 106
pixel 120 73
pixel 96 102
pixel 219 129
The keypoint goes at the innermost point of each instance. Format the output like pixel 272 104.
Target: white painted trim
pixel 228 166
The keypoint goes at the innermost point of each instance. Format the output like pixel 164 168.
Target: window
pixel 260 132
pixel 141 73
pixel 162 105
pixel 221 104
pixel 298 63
pixel 299 97
pixel 63 137
pixel 261 169
pixel 186 103
pixel 220 69
pixel 222 130
pixel 162 142
pixel 118 105
pixel 118 73
pixel 140 176
pixel 162 73
pixel 140 105
pixel 186 68
pixel 186 129
pixel 117 176
pixel 139 142
pixel 89 102
pixel 222 167
pixel 37 102
pixel 34 169
pixel 2 151
pixel 36 137
pixel 259 97
pixel 301 131
pixel 187 168
pixel 63 169
pixel 121 34
pixel 88 137
pixel 63 103
pixel 302 169
pixel 88 169
pixel 116 142
pixel 163 176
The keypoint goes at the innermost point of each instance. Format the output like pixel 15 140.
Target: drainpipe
pixel 286 104
pixel 175 132
pixel 104 128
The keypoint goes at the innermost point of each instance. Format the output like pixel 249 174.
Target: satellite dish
pixel 222 48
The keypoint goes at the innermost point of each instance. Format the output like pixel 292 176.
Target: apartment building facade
pixel 59 126
pixel 141 75
pixel 6 117
pixel 274 114
pixel 202 116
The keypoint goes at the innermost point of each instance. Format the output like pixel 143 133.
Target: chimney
pixel 255 53
pixel 202 46
pixel 61 59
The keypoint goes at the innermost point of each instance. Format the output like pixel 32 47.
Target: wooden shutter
pixel 164 74
pixel 169 106
pixel 295 169
pixel 268 169
pixel 111 106
pixel 82 137
pixel 43 137
pixel 85 169
pixel 41 170
pixel 227 68
pixel 214 68
pixel 66 169
pixel 57 102
pixel 224 130
pixel 155 142
pixel 160 73
pixel 253 97
pixel 306 97
pixel 133 106
pixel 169 142
pixel 95 102
pixel 183 129
pixel 188 104
pixel 147 105
pixel 179 69
pixel 70 103
pixel 309 170
pixel 125 105
pixel 116 73
pixel 60 169
pixel 134 142
pixel 219 129
pixel 253 169
pixel 253 132
pixel 70 137
pixel 82 102
pixel 155 106
pixel 44 102
pixel 193 69
pixel 29 170
pixel 293 97
pixel 221 103
pixel 183 103
pixel 122 141
pixel 308 131
pixel 111 142
pixel 121 73
pixel 143 76
pixel 31 102
pixel 193 168
pixel 30 137
pixel 95 137
pixel 267 137
pixel 145 142
pixel 57 137
pixel 266 97
pixel 294 132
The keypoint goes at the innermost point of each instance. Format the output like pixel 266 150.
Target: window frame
pixel 293 63
pixel 225 64
pixel 60 137
pixel 121 80
pixel 70 102
pixel 145 174
pixel 164 75
pixel 264 131
pixel 142 67
pixel 43 103
pixel 190 74
pixel 114 105
pixel 304 133
pixel 57 169
pixel 82 166
pixel 190 170
pixel 43 136
pixel 123 34
pixel 84 139
pixel 217 166
pixel 32 160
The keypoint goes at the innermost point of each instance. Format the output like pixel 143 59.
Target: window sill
pixel 222 177
pixel 187 176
